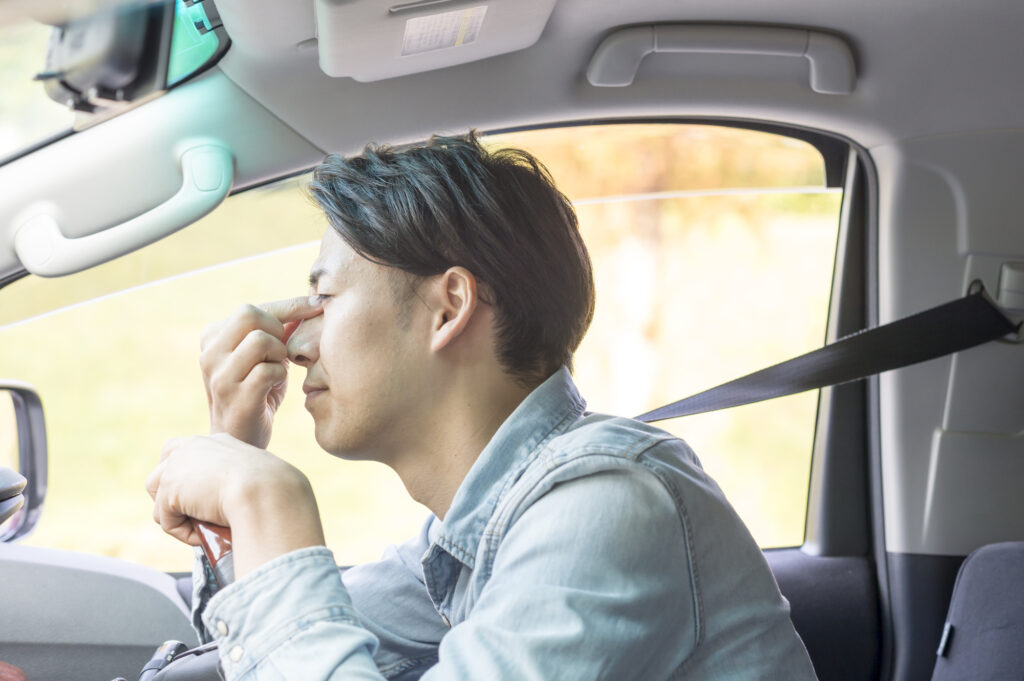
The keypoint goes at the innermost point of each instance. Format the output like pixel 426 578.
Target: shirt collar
pixel 549 409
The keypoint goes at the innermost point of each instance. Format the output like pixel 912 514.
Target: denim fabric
pixel 579 547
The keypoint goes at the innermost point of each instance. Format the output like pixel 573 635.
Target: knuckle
pixel 267 372
pixel 261 340
pixel 248 314
pixel 208 333
pixel 266 345
pixel 278 372
pixel 219 385
pixel 206 361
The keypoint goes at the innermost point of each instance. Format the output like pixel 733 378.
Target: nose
pixel 304 345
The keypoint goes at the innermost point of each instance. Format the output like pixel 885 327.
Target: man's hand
pixel 244 363
pixel 267 502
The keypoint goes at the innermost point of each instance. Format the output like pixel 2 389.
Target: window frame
pixel 827 530
pixel 843 557
pixel 853 297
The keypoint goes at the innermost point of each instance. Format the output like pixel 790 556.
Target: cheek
pixel 345 337
pixel 332 338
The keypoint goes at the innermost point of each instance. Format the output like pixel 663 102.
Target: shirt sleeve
pixel 291 619
pixel 591 582
pixel 385 600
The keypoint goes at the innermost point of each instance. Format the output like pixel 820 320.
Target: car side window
pixel 113 352
pixel 712 247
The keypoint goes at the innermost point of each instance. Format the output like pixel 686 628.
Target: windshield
pixel 27 115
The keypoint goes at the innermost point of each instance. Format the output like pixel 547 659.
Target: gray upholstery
pixel 983 638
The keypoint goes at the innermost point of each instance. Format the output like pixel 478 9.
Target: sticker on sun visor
pixel 438 31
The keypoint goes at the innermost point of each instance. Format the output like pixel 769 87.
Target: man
pixel 450 293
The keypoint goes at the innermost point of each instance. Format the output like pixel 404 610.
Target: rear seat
pixel 834 605
pixel 983 639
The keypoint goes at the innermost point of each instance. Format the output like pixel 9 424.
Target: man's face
pixel 366 356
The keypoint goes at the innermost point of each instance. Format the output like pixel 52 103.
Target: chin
pixel 338 445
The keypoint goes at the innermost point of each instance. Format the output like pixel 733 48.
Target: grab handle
pixel 618 57
pixel 207 171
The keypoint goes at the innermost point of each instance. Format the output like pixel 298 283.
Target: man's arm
pixel 592 582
pixel 389 599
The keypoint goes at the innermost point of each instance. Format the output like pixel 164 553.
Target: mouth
pixel 312 391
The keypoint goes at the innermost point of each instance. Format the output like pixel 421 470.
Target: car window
pixel 27 114
pixel 713 251
pixel 712 248
pixel 194 41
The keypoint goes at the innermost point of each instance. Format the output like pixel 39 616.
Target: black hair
pixel 451 202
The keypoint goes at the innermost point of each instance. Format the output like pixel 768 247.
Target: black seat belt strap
pixel 943 330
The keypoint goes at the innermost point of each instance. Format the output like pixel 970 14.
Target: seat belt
pixel 943 330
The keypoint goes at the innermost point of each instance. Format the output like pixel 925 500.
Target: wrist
pixel 270 516
pixel 248 431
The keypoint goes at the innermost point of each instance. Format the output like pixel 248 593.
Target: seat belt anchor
pixel 1013 315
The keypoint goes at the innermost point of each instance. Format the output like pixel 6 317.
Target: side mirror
pixel 22 459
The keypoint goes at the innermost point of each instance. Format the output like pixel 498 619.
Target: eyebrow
pixel 315 275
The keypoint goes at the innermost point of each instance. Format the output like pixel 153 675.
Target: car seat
pixel 983 638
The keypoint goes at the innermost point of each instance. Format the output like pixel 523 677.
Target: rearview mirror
pixel 22 454
pixel 117 55
pixel 102 63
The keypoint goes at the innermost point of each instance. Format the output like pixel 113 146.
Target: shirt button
pixel 446 621
pixel 222 628
pixel 236 653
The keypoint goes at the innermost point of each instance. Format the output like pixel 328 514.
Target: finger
pixel 210 332
pixel 170 446
pixel 256 348
pixel 294 309
pixel 265 377
pixel 259 346
pixel 171 517
pixel 153 480
pixel 246 319
pixel 175 524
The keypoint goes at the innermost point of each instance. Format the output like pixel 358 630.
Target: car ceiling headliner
pixel 924 68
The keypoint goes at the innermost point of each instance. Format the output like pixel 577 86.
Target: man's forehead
pixel 336 258
pixel 326 264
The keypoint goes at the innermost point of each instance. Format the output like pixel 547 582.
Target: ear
pixel 455 301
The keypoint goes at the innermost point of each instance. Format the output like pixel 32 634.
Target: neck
pixel 457 428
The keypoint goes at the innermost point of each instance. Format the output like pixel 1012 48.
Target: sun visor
pixel 369 40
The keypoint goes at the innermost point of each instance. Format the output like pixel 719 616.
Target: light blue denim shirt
pixel 579 547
